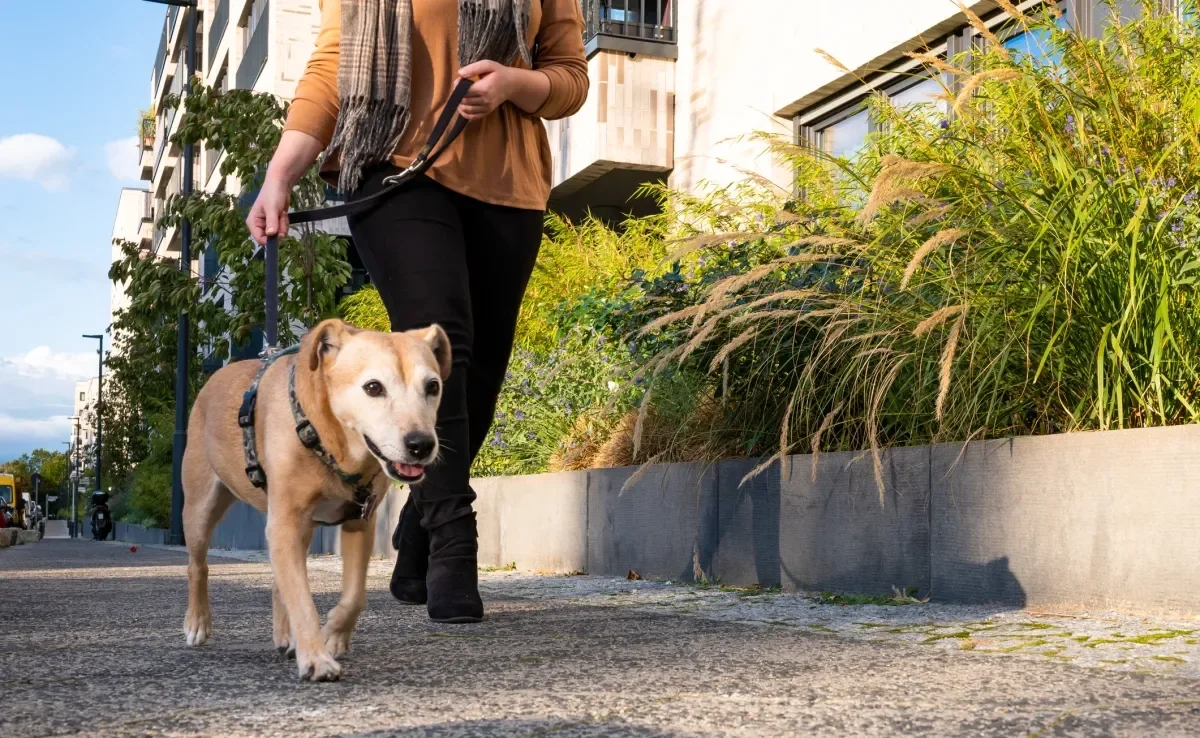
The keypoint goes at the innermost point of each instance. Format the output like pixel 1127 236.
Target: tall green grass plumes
pixel 1025 262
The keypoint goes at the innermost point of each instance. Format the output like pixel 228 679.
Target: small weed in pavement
pixel 906 597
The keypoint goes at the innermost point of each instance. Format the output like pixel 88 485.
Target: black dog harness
pixel 364 499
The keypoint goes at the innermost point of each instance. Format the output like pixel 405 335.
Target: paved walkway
pixel 92 643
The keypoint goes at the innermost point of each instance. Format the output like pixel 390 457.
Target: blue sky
pixel 73 75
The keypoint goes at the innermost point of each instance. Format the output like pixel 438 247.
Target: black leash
pixel 425 159
pixel 427 156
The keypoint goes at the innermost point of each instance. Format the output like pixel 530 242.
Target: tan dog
pixel 372 399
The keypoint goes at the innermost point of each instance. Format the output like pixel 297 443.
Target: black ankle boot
pixel 453 578
pixel 411 542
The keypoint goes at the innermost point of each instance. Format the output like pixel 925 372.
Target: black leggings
pixel 440 257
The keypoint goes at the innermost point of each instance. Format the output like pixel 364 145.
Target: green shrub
pixel 1027 265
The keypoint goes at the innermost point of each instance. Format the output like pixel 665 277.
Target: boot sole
pixel 458 620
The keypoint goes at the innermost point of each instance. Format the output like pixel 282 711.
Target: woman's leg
pixel 502 247
pixel 413 246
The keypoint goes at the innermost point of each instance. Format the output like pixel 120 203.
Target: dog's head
pixel 384 387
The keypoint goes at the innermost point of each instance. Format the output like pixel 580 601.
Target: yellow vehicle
pixel 8 496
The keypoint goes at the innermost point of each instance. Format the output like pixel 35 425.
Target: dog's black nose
pixel 420 445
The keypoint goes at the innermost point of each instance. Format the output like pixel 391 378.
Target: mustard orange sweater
pixel 503 159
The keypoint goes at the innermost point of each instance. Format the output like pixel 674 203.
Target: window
pixel 845 137
pixel 1035 45
pixel 926 91
pixel 81 397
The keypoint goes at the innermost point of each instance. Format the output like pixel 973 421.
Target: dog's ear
pixel 439 344
pixel 322 343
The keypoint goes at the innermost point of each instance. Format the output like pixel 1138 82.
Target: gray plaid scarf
pixel 375 70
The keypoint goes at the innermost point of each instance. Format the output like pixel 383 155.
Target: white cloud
pixel 35 158
pixel 45 363
pixel 122 158
pixel 35 431
pixel 37 394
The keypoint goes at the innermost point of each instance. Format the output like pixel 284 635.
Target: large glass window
pixel 1035 44
pixel 927 91
pixel 845 137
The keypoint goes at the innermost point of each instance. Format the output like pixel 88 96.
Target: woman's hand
pixel 497 84
pixel 269 216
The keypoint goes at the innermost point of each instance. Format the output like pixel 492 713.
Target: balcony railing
pixel 160 141
pixel 177 90
pixel 217 29
pixel 255 57
pixel 630 25
pixel 147 206
pixel 214 156
pixel 160 61
pixel 172 16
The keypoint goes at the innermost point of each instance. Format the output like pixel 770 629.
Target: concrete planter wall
pixel 1097 520
pixel 1100 520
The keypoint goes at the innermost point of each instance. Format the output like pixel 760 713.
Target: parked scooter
pixel 102 522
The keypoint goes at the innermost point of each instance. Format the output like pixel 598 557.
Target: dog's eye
pixel 432 387
pixel 373 388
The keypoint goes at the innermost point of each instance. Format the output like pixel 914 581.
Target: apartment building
pixel 86 394
pixel 255 45
pixel 134 223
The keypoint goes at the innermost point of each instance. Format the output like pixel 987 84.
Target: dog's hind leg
pixel 358 538
pixel 205 500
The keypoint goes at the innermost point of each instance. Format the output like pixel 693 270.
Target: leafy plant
pixel 1025 265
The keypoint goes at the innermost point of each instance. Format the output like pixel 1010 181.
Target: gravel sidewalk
pixel 93 644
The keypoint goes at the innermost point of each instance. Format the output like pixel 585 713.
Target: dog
pixel 372 400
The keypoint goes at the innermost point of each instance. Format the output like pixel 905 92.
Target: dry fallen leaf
pixel 633 576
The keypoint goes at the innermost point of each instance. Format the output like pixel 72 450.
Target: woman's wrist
pixel 296 152
pixel 527 89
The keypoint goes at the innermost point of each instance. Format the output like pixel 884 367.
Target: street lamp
pixel 66 482
pixel 78 476
pixel 175 537
pixel 99 402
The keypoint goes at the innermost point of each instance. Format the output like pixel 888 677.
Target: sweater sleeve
pixel 561 58
pixel 314 109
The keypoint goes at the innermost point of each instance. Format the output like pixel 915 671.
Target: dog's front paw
pixel 337 642
pixel 197 628
pixel 318 667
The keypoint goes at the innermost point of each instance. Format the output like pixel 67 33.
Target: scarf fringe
pixel 374 71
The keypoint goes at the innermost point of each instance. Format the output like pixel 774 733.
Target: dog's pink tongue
pixel 409 470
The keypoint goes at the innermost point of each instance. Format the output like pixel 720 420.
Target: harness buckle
pixel 246 412
pixel 307 434
pixel 257 477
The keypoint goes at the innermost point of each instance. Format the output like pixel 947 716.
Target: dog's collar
pixel 363 495
pixel 364 500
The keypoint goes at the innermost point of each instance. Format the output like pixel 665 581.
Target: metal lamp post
pixel 183 348
pixel 99 403
pixel 66 482
pixel 78 477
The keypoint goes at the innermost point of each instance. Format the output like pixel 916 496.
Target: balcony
pixel 631 27
pixel 622 138
pixel 219 22
pixel 146 158
pixel 160 62
pixel 212 157
pixel 146 225
pixel 255 57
